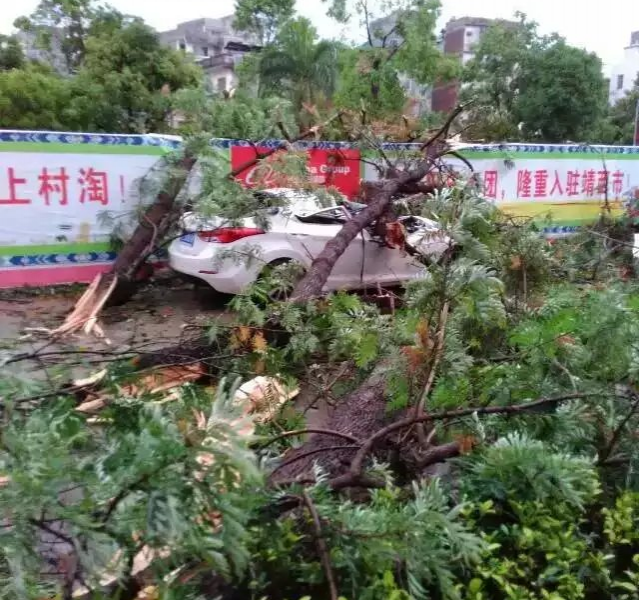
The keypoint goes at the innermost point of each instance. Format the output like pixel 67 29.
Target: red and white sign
pixel 336 168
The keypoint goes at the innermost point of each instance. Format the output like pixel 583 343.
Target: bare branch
pixel 322 548
pixel 367 22
pixel 297 432
pixel 438 351
pixel 445 128
pixel 439 454
pixel 357 465
pixel 618 431
pixel 304 455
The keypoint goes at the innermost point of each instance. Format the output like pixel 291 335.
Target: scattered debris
pixel 85 314
pixel 262 397
pixel 162 379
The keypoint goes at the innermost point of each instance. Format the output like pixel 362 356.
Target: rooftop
pixel 457 23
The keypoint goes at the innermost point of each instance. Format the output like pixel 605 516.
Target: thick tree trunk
pixel 312 283
pixel 153 226
pixel 380 194
pixel 118 285
pixel 360 414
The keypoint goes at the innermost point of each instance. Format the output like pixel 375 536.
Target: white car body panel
pixel 232 267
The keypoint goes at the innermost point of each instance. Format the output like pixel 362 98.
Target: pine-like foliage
pixel 168 481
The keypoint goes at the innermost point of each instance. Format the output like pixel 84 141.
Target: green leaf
pixel 475 586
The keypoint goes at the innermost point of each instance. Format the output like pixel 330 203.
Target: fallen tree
pixel 117 284
pixel 159 461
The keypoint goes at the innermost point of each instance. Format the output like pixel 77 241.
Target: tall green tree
pixel 127 78
pixel 299 63
pixel 562 94
pixel 621 119
pixel 239 117
pixel 264 18
pixel 378 89
pixel 11 54
pixel 527 86
pixel 490 78
pixel 34 97
pixel 64 25
pixel 122 77
pixel 400 38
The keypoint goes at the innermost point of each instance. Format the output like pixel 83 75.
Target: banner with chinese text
pixel 57 189
pixel 569 184
pixel 560 186
pixel 60 196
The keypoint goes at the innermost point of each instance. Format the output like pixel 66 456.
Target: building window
pixel 619 82
pixel 205 50
pixel 221 84
pixel 182 46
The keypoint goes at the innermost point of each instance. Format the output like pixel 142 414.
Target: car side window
pixel 330 216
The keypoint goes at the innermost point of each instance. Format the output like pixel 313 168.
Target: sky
pixel 603 28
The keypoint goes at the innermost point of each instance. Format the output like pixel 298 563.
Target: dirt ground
pixel 155 318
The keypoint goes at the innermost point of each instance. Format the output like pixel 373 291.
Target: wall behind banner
pixel 57 188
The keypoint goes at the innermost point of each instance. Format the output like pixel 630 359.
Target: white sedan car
pixel 231 258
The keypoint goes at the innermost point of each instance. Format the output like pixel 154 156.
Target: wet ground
pixel 158 316
pixel 161 315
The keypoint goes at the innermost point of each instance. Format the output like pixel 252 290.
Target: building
pixel 626 73
pixel 459 38
pixel 216 45
pixel 51 55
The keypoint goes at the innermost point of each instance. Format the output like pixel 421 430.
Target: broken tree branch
pixel 297 432
pixel 353 477
pixel 312 283
pixel 322 548
pixel 313 452
pixel 437 354
pixel 153 224
pixel 439 454
pixel 445 128
pixel 619 430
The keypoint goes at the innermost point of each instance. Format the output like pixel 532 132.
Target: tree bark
pixel 360 414
pixel 152 227
pixel 380 194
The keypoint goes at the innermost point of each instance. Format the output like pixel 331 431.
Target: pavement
pixel 157 317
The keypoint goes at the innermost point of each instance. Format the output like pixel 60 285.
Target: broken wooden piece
pixel 159 380
pixel 262 397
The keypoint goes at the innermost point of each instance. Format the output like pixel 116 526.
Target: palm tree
pixel 299 63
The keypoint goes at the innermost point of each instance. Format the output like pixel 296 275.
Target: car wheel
pixel 280 278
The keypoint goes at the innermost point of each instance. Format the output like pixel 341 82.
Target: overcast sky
pixel 600 27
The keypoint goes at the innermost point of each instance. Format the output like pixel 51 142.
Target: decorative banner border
pixel 12 136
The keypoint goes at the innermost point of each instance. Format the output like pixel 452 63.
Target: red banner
pixel 337 168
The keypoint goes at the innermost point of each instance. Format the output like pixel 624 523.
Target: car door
pixel 388 266
pixel 309 234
